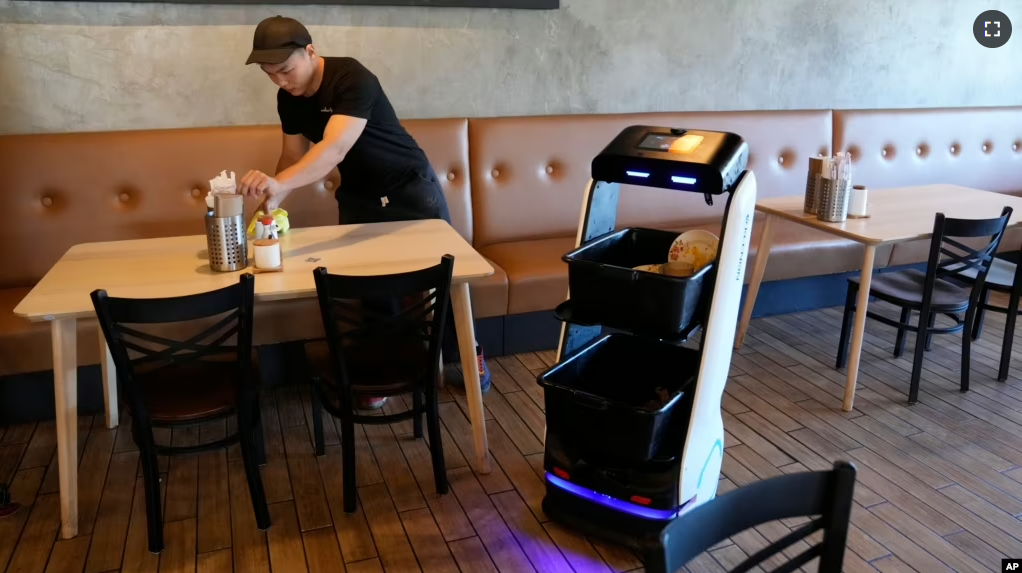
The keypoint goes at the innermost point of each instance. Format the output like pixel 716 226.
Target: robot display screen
pixel 681 144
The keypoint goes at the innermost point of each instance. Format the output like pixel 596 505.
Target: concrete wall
pixel 96 66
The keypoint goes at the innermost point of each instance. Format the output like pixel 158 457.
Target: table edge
pixel 825 228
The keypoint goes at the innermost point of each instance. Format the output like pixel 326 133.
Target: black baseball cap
pixel 276 39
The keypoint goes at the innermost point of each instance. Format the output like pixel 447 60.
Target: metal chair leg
pixel 846 326
pixel 1009 336
pixel 899 341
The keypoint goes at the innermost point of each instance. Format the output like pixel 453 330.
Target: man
pixel 339 107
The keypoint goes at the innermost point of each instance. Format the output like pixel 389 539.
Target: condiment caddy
pixel 830 195
pixel 226 237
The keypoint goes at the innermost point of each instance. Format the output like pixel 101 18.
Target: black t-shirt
pixel 385 155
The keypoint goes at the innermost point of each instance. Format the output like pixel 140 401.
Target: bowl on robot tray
pixel 608 290
pixel 620 394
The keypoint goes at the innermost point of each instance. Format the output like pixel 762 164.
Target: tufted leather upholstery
pixel 978 147
pixel 514 186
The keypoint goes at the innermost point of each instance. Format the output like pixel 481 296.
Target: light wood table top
pixel 177 266
pixel 901 214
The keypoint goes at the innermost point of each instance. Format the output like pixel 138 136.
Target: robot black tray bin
pixel 605 288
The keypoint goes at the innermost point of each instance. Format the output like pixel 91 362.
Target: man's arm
pixel 292 149
pixel 340 135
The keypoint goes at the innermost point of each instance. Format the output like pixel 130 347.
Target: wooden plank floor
pixel 940 482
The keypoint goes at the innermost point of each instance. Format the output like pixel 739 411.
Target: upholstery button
pixel 495 173
pixel 47 201
pixel 196 192
pixel 124 197
pixel 450 176
pixel 549 169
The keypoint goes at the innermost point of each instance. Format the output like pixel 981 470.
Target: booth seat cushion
pixel 26 347
pixel 490 295
pixel 798 251
pixel 537 277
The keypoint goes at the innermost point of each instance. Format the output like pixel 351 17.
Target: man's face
pixel 294 74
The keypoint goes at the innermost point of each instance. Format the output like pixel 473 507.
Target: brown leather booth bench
pixel 515 188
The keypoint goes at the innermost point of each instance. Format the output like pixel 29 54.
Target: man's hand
pixel 260 185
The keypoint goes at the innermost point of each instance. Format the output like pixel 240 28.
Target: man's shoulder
pixel 345 63
pixel 348 70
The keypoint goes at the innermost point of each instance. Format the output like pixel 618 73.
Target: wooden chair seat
pixel 374 368
pixel 189 392
pixel 906 288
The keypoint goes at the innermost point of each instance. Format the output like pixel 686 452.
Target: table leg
pixel 866 277
pixel 109 376
pixel 65 390
pixel 758 268
pixel 462 306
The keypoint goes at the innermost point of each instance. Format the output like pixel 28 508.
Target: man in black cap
pixel 339 106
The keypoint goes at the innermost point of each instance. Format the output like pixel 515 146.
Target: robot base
pixel 603 523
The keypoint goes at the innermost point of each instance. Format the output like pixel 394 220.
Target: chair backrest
pixel 949 257
pixel 361 313
pixel 223 315
pixel 826 496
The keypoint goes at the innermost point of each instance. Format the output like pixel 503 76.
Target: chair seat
pixel 191 391
pixel 906 288
pixel 385 368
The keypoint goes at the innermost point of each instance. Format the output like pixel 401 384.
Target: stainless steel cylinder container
pixel 226 243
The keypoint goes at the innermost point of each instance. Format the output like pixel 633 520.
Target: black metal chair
pixel 1004 277
pixel 825 496
pixel 930 293
pixel 168 383
pixel 380 354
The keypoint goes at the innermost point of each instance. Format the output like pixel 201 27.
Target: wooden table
pixel 177 266
pixel 897 215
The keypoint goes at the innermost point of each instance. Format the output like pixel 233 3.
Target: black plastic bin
pixel 604 289
pixel 620 397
